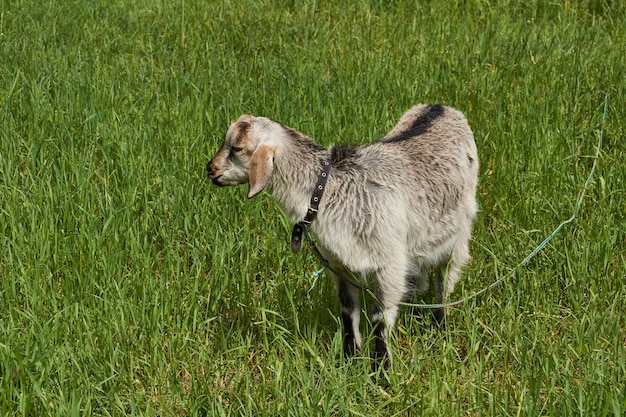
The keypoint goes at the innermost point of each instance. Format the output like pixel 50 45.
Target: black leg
pixel 381 350
pixel 438 313
pixel 348 298
pixel 349 343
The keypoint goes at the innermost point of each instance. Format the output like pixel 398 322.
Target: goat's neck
pixel 295 174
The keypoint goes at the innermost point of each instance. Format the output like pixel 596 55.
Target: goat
pixel 391 210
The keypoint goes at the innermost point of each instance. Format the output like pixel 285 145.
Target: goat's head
pixel 247 155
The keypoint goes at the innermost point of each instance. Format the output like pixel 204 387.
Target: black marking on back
pixel 421 124
pixel 341 155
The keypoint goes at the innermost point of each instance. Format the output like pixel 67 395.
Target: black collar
pixel 298 228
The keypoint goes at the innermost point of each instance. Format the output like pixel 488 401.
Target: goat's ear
pixel 260 169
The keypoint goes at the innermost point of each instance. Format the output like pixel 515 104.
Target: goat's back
pixel 418 183
pixel 437 136
pixel 435 146
pixel 430 153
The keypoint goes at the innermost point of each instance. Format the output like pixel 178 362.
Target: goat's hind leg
pixel 440 297
pixel 448 274
pixel 419 284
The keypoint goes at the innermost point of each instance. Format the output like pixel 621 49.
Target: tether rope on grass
pixel 532 254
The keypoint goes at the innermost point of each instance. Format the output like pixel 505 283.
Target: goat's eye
pixel 236 149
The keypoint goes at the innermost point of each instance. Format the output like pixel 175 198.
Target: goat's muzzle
pixel 212 174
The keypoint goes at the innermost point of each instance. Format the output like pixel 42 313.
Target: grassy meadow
pixel 131 286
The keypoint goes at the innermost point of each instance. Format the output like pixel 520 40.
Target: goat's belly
pixel 364 257
pixel 353 257
pixel 430 255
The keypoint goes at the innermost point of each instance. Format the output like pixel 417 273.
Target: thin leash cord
pixel 355 282
pixel 532 254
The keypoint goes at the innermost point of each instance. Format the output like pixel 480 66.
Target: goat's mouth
pixel 216 181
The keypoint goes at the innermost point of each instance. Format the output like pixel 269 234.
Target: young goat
pixel 390 210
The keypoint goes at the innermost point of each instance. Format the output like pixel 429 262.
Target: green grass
pixel 129 285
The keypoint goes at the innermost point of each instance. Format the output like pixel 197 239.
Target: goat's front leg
pixel 389 294
pixel 350 316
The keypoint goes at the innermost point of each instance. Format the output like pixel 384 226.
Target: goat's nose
pixel 209 169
